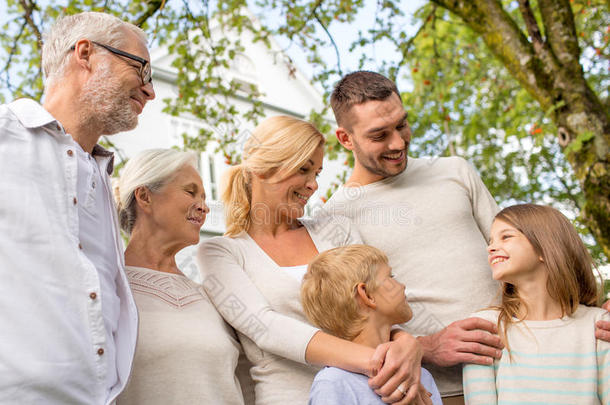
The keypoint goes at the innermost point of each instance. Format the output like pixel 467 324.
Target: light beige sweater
pixel 262 302
pixel 433 222
pixel 186 353
pixel 556 361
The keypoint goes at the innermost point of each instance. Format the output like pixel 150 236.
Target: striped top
pixel 553 362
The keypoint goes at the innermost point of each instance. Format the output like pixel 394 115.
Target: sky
pixel 344 35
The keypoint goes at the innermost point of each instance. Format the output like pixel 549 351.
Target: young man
pixel 69 319
pixel 432 217
pixel 350 292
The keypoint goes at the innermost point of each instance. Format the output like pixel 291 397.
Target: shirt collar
pixel 30 113
pixel 104 154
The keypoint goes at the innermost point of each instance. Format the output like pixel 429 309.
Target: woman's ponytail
pixel 236 198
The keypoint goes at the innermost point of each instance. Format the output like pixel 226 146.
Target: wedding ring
pixel 401 389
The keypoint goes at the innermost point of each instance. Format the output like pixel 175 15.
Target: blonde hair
pixel 100 27
pixel 153 169
pixel 569 265
pixel 328 292
pixel 278 146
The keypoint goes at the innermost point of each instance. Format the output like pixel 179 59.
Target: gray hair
pixel 153 169
pixel 67 30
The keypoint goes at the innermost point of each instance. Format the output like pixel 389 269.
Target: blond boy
pixel 350 292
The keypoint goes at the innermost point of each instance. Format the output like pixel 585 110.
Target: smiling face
pixel 379 135
pixel 286 199
pixel 390 297
pixel 511 255
pixel 114 96
pixel 179 208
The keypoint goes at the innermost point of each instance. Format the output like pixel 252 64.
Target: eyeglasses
pixel 145 68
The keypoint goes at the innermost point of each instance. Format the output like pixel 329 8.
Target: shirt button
pixel 74 200
pixel 100 351
pixel 93 184
pixel 69 152
pixel 80 246
pixel 93 295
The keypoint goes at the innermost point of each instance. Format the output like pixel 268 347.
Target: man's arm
pixel 602 328
pixel 472 340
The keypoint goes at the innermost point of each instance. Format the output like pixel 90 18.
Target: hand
pixel 423 397
pixel 602 328
pixel 399 363
pixel 472 340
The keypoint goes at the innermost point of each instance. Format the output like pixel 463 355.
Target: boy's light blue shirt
pixel 334 386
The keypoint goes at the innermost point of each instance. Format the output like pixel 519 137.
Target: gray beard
pixel 106 107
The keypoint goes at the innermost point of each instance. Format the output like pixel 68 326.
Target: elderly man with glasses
pixel 69 322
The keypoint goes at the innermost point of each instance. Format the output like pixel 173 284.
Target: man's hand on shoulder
pixel 472 340
pixel 602 328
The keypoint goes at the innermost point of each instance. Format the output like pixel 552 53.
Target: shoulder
pixel 222 248
pixel 487 314
pixel 593 314
pixel 8 116
pixel 334 385
pixel 217 243
pixel 339 197
pixel 332 230
pixel 322 219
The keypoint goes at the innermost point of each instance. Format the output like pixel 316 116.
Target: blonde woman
pixel 253 274
pixel 185 353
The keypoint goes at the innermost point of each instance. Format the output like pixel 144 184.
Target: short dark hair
pixel 357 88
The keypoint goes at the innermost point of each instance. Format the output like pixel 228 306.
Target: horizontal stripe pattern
pixel 563 364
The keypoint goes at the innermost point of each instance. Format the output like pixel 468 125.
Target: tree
pixel 520 88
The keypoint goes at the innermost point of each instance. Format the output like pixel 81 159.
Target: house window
pixel 213 183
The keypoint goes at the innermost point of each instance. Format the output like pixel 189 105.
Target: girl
pixel 545 318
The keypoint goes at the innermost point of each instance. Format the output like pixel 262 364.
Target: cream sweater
pixel 186 353
pixel 263 304
pixel 553 362
pixel 433 222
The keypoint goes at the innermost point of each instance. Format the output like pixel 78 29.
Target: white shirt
pixel 53 341
pixel 298 272
pixel 96 234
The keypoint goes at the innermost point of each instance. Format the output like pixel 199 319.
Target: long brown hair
pixel 569 265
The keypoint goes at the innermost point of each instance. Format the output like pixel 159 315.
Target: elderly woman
pixel 186 353
pixel 253 274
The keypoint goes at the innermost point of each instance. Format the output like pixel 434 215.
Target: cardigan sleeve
pixel 240 303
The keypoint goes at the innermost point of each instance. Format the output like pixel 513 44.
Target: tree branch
pixel 560 32
pixel 568 189
pixel 332 41
pixel 507 42
pixel 12 53
pixel 531 25
pixel 409 43
pixel 153 7
pixel 28 8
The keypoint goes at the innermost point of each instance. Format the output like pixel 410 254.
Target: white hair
pixel 100 27
pixel 153 169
